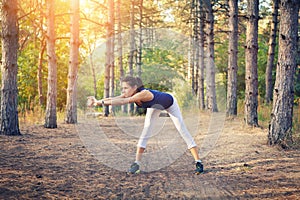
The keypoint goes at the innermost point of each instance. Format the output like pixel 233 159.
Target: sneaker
pixel 134 169
pixel 199 168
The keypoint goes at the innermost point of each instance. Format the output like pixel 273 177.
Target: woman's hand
pixel 91 101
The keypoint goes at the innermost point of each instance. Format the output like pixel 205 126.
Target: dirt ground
pixel 57 164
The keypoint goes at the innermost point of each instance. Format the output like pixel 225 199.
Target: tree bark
pixel 195 83
pixel 112 49
pixel 41 60
pixel 280 126
pixel 40 73
pixel 9 69
pixel 71 108
pixel 120 47
pixel 119 37
pixel 193 48
pixel 92 66
pixel 140 49
pixel 132 47
pixel 271 53
pixel 200 91
pixel 210 70
pixel 132 39
pixel 251 77
pixel 109 53
pixel 232 59
pixel 51 115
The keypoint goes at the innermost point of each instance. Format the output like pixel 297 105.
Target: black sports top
pixel 161 100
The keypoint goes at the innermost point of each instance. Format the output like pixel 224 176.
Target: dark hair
pixel 133 81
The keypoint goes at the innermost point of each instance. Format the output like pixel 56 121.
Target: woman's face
pixel 127 90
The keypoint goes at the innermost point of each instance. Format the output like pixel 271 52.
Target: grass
pixel 37 117
pixel 264 113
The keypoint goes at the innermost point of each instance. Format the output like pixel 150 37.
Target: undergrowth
pixel 37 117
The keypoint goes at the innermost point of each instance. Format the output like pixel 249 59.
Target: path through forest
pixel 58 164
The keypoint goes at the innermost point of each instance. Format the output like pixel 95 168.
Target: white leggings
pixel 152 116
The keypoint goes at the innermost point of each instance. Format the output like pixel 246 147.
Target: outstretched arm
pixel 121 100
pixel 112 98
pixel 115 101
pixel 92 101
pixel 137 98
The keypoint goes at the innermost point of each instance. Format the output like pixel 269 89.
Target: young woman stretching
pixel 155 101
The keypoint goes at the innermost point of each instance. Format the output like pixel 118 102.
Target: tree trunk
pixel 93 73
pixel 51 115
pixel 232 59
pixel 9 69
pixel 200 90
pixel 139 55
pixel 193 47
pixel 120 45
pixel 112 49
pixel 132 39
pixel 271 53
pixel 132 47
pixel 282 113
pixel 120 48
pixel 71 108
pixel 40 73
pixel 210 70
pixel 40 61
pixel 251 77
pixel 109 53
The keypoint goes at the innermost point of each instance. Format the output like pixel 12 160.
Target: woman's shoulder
pixel 145 95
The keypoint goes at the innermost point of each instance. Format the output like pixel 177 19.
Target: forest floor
pixel 57 164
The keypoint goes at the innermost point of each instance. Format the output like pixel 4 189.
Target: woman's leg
pixel 176 116
pixel 139 153
pixel 152 116
pixel 195 153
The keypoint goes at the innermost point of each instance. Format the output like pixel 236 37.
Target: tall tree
pixel 193 54
pixel 112 50
pixel 197 53
pixel 109 62
pixel 210 69
pixel 280 127
pixel 41 56
pixel 140 40
pixel 119 39
pixel 71 108
pixel 120 46
pixel 251 77
pixel 40 72
pixel 271 52
pixel 132 53
pixel 9 69
pixel 200 91
pixel 51 115
pixel 232 59
pixel 132 38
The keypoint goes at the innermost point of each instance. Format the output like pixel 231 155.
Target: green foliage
pixel 262 63
pixel 27 81
pixel 62 74
pixel 164 64
pixel 184 95
pixel 30 38
pixel 160 69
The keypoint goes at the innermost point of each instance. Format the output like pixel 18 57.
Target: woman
pixel 155 101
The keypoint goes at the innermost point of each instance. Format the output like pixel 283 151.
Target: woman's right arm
pixel 113 98
pixel 92 101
